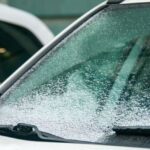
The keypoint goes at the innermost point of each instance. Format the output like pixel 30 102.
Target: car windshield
pixel 95 79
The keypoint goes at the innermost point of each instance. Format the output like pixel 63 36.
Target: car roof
pixel 43 51
pixel 134 1
pixel 26 20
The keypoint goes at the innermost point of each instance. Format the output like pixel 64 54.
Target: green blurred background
pixel 57 14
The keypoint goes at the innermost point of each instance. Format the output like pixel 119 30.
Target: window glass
pixel 96 78
pixel 16 46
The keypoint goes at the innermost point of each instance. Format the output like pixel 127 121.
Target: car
pixel 21 35
pixel 87 89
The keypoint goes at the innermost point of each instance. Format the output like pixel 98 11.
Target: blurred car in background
pixel 21 35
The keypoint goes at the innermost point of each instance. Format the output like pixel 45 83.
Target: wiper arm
pixel 32 133
pixel 132 130
pixel 28 132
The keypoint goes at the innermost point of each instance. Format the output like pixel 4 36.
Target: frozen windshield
pixel 96 78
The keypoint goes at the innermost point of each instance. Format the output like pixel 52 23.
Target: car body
pixel 89 79
pixel 26 20
pixel 29 31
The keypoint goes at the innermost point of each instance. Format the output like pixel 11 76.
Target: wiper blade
pixel 32 133
pixel 132 130
pixel 28 132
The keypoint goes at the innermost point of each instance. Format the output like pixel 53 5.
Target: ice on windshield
pixel 93 81
pixel 73 105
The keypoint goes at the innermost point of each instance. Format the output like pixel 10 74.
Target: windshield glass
pixel 96 78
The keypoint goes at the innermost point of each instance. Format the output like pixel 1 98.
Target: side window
pixel 17 44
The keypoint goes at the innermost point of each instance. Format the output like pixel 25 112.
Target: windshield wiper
pixel 132 130
pixel 28 132
pixel 32 133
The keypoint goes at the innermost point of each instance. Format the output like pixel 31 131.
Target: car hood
pixel 7 143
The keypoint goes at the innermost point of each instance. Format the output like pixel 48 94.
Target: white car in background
pixel 21 35
pixel 88 89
